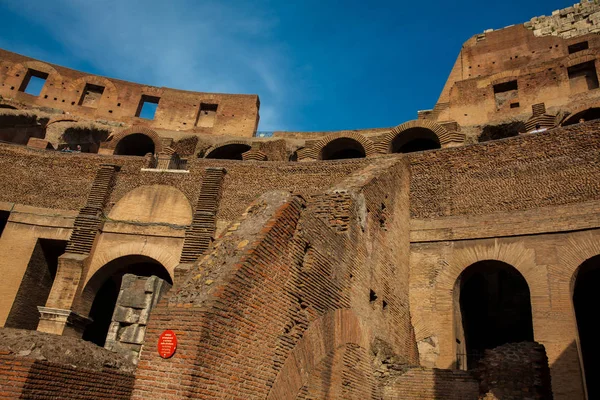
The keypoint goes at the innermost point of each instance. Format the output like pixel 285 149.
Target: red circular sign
pixel 167 344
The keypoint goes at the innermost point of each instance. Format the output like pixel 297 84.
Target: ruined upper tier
pixel 99 98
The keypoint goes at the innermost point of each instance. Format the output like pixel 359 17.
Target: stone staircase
pixel 199 234
pixel 88 220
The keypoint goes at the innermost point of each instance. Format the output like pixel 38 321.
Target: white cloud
pixel 190 45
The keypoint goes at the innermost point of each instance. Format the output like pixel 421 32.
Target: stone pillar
pixel 137 298
pixel 56 317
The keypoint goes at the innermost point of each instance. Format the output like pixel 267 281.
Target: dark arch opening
pixel 106 284
pixel 495 307
pixel 343 148
pixel 229 152
pixel 587 115
pixel 88 139
pixel 586 298
pixel 136 144
pixel 7 106
pixel 415 139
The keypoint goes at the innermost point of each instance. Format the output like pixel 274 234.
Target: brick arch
pixel 13 104
pixel 444 136
pixel 54 78
pixel 576 111
pixel 500 77
pixel 315 150
pixel 117 137
pixel 79 84
pixel 581 57
pixel 227 143
pixel 139 247
pixel 515 254
pixel 327 334
pixel 62 118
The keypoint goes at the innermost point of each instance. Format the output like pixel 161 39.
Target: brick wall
pixel 530 171
pixel 515 371
pixel 243 309
pixel 431 384
pixel 25 378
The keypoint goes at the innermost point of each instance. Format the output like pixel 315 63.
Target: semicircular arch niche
pixel 415 139
pixel 342 148
pixel 153 204
pixel 136 144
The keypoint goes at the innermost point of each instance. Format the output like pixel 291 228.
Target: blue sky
pixel 316 65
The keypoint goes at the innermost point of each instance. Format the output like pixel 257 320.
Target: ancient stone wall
pixel 515 371
pixel 96 97
pixel 40 366
pixel 577 20
pixel 137 297
pixel 431 384
pixel 528 172
pixel 267 299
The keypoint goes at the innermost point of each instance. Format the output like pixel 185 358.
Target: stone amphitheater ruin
pixel 454 256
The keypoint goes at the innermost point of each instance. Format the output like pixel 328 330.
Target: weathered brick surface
pixel 23 378
pixel 515 371
pixel 431 384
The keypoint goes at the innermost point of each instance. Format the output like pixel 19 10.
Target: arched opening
pixel 415 139
pixel 342 148
pixel 105 287
pixel 583 116
pixel 586 298
pixel 86 140
pixel 136 144
pixel 7 106
pixel 19 127
pixel 231 151
pixel 494 309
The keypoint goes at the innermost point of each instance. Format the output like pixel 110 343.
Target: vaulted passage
pixel 342 148
pixel 232 151
pixel 582 116
pixel 495 307
pixel 415 139
pixel 36 284
pixel 136 144
pixel 105 286
pixel 586 298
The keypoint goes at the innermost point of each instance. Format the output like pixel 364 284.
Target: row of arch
pixel 493 308
pixel 412 136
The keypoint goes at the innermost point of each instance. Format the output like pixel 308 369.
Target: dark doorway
pixel 232 151
pixel 3 220
pixel 342 148
pixel 586 298
pixel 583 116
pixel 36 284
pixel 108 283
pixel 495 307
pixel 136 144
pixel 415 139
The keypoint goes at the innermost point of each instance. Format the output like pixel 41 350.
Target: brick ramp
pixel 431 384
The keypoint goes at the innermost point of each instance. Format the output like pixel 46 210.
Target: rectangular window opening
pixel 147 107
pixel 583 77
pixel 91 95
pixel 206 115
pixel 505 92
pixel 33 82
pixel 574 48
pixel 514 105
